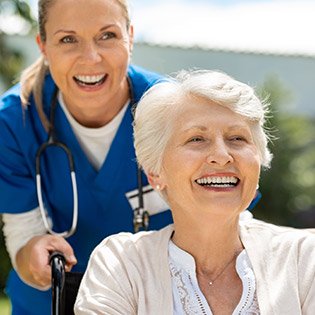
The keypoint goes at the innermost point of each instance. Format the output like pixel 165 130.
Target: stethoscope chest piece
pixel 140 219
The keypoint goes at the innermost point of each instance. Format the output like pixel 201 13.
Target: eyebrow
pixel 204 128
pixel 64 31
pixel 74 32
pixel 201 128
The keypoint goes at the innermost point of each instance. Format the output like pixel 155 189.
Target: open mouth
pixel 218 181
pixel 90 80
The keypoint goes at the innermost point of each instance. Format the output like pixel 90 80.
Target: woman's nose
pixel 90 54
pixel 219 153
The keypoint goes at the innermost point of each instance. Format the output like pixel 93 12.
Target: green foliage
pixel 288 187
pixel 20 8
pixel 5 306
pixel 5 264
pixel 10 63
pixel 11 60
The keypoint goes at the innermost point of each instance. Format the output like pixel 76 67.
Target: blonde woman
pixel 84 73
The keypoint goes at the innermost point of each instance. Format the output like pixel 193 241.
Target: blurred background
pixel 268 44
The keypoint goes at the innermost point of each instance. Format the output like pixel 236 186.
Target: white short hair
pixel 157 109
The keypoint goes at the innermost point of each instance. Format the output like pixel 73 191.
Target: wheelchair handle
pixel 57 262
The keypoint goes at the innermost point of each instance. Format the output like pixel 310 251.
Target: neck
pixel 212 244
pixel 94 113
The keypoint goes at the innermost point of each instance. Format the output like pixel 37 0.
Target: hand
pixel 32 260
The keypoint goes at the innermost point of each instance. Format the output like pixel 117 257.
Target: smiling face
pixel 210 163
pixel 88 47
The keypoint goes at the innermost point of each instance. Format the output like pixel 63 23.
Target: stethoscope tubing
pixel 53 143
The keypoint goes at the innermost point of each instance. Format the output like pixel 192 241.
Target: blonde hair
pixel 32 78
pixel 159 106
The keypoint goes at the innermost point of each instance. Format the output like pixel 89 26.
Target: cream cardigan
pixel 129 274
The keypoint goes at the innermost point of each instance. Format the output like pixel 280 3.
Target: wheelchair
pixel 65 286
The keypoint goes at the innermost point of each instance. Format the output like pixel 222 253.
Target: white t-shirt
pixel 95 142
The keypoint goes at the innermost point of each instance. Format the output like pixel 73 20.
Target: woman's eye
pixel 238 138
pixel 108 35
pixel 68 40
pixel 195 139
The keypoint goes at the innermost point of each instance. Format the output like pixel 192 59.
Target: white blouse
pixel 187 296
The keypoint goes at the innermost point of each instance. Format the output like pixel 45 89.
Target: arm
pixel 308 306
pixel 29 248
pixel 106 287
pixel 26 240
pixel 307 274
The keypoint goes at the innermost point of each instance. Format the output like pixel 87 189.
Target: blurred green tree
pixel 11 60
pixel 288 187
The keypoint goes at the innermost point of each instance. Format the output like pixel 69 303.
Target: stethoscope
pixel 140 215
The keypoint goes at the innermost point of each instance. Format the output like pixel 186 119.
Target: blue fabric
pixel 103 207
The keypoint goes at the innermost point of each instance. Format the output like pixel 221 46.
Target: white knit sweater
pixel 129 274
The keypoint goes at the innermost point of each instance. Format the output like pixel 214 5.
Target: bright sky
pixel 282 26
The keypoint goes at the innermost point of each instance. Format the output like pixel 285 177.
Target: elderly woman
pixel 201 141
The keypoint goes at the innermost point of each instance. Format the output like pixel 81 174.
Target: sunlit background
pixel 277 26
pixel 269 44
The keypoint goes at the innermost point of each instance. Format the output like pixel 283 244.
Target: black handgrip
pixel 57 262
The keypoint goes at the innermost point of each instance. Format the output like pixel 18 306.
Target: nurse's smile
pixel 90 82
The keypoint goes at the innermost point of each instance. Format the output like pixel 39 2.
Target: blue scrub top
pixel 103 206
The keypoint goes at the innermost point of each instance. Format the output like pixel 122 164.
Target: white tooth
pixel 221 185
pixel 90 79
pixel 218 181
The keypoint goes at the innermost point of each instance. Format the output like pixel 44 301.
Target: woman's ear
pixel 40 45
pixel 131 39
pixel 155 181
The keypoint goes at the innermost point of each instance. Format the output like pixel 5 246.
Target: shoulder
pixel 279 236
pixel 138 244
pixel 12 114
pixel 259 225
pixel 142 79
pixel 11 98
pixel 282 256
pixel 145 75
